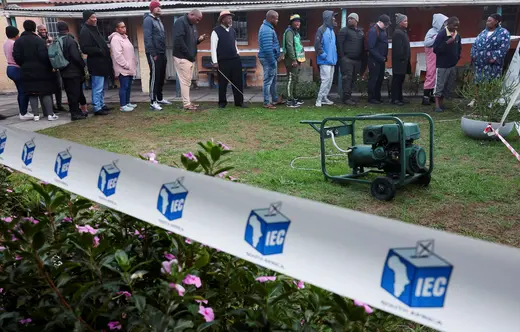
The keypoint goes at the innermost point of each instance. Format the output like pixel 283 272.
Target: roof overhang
pixel 129 9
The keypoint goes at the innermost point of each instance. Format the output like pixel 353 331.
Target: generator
pixel 388 149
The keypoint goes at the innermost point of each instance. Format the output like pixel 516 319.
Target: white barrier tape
pixel 490 131
pixel 465 285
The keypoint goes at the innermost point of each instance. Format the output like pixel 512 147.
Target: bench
pixel 248 67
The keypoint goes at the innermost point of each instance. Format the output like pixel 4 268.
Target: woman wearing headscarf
pixel 439 20
pixel 490 49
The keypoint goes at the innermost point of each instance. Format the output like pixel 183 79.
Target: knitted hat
pixel 295 17
pixel 87 14
pixel 354 16
pixel 399 18
pixel 154 4
pixel 62 26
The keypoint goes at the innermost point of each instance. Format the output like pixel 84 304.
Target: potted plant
pixel 488 102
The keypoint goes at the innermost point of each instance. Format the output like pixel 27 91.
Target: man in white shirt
pixel 226 59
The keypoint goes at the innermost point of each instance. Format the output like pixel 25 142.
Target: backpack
pixel 366 35
pixel 56 56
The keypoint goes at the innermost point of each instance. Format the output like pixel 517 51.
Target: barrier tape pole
pixel 442 280
pixel 490 131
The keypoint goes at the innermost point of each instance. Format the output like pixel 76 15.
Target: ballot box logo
pixel 266 229
pixel 416 276
pixel 3 140
pixel 28 152
pixel 62 164
pixel 172 199
pixel 107 180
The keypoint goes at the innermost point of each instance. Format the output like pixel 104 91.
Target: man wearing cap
pixel 351 49
pixel 377 56
pixel 327 54
pixel 155 48
pixel 226 60
pixel 294 57
pixel 99 62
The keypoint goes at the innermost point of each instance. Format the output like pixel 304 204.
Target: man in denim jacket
pixel 327 54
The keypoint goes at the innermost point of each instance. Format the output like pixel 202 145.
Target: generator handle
pixel 313 124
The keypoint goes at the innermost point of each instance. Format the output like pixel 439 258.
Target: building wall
pixel 6 85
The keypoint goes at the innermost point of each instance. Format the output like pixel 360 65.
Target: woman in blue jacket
pixel 326 51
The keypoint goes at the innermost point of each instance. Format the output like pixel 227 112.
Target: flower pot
pixel 475 128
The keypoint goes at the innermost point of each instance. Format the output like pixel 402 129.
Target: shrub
pixel 304 90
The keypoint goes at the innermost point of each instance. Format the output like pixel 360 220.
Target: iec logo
pixel 266 230
pixel 107 180
pixel 417 276
pixel 61 166
pixel 172 198
pixel 3 139
pixel 28 152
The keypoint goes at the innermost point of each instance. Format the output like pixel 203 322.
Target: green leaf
pixel 224 169
pixel 341 302
pixel 202 260
pixel 122 259
pixel 204 326
pixel 40 190
pixel 206 148
pixel 215 153
pixel 38 240
pixel 140 302
pixel 58 202
pixel 203 161
pixel 182 324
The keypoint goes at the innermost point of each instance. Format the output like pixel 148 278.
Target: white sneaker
pixel 164 102
pixel 327 101
pixel 132 105
pixel 318 103
pixel 155 107
pixel 27 116
pixel 126 109
pixel 36 118
pixel 53 117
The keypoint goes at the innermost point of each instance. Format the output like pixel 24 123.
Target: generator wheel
pixel 424 181
pixel 383 189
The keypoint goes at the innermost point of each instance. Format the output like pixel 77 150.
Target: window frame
pixel 52 26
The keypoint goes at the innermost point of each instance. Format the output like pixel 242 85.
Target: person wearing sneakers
pixel 377 43
pixel 14 72
pixel 326 51
pixel 350 49
pixel 269 56
pixel 294 57
pixel 155 48
pixel 447 47
pixel 30 53
pixel 185 44
pixel 125 64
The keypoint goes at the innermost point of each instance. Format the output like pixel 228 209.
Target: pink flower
pixel 8 169
pixel 114 325
pixel 167 266
pixel 137 232
pixel 368 310
pixel 151 157
pixel 192 280
pixel 95 242
pixel 265 279
pixel 223 174
pixel 31 219
pixel 125 293
pixel 190 156
pixel 208 313
pixel 1 290
pixel 188 241
pixel 168 256
pixel 25 321
pixel 224 146
pixel 7 219
pixel 2 248
pixel 202 301
pixel 86 229
pixel 179 288
pixel 9 190
pixel 67 219
pixel 44 183
pixel 18 257
pixel 13 238
pixel 94 208
pixel 232 178
pixel 300 284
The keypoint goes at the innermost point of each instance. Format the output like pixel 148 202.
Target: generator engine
pixel 382 150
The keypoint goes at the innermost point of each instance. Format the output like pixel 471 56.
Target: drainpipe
pixel 343 24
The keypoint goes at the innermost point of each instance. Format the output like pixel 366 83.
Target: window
pixel 105 26
pixel 239 24
pixel 303 26
pixel 52 26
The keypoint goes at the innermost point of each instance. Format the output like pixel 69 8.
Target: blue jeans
pixel 15 74
pixel 270 71
pixel 125 89
pixel 98 92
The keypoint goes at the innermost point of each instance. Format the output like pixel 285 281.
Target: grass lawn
pixel 475 188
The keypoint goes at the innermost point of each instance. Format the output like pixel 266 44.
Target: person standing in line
pixel 14 72
pixel 98 60
pixel 125 64
pixel 447 47
pixel 30 53
pixel 438 22
pixel 74 73
pixel 269 56
pixel 185 44
pixel 42 32
pixel 226 59
pixel 326 51
pixel 294 55
pixel 377 41
pixel 351 49
pixel 155 48
pixel 400 58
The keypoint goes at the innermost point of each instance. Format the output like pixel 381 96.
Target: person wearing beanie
pixel 438 22
pixel 98 60
pixel 155 48
pixel 14 72
pixel 30 53
pixel 351 50
pixel 294 57
pixel 400 58
pixel 377 40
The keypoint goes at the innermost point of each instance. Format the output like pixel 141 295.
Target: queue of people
pixel 37 78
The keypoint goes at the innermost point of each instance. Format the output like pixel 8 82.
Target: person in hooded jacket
pixel 74 74
pixel 438 22
pixel 98 60
pixel 400 58
pixel 327 54
pixel 30 53
pixel 125 64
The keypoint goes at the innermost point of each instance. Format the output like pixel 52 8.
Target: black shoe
pixel 375 102
pixel 222 105
pixel 432 99
pixel 398 103
pixel 101 112
pixel 242 106
pixel 426 101
pixel 349 102
pixel 2 117
pixel 299 101
pixel 78 117
pixel 106 108
pixel 292 104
